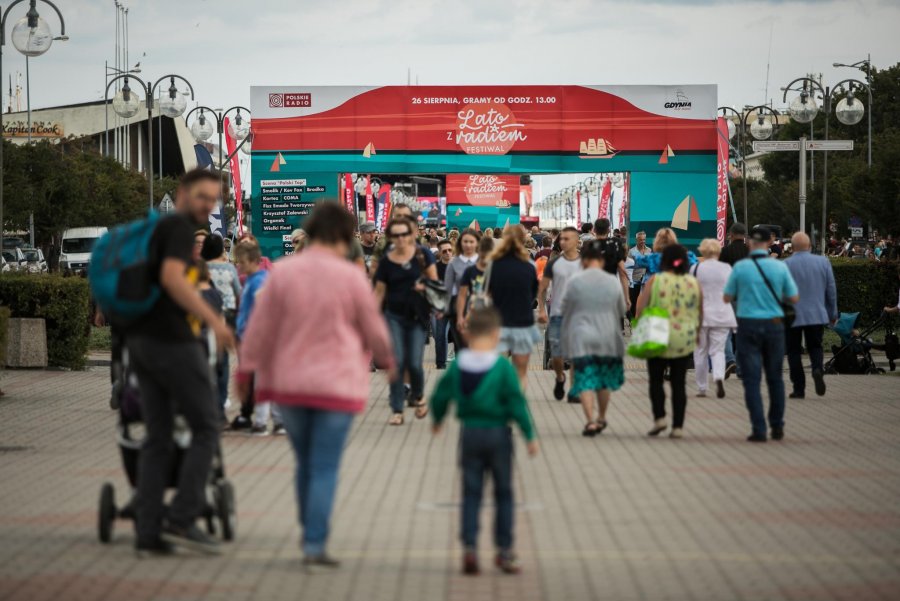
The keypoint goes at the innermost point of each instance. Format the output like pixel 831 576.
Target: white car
pixel 36 262
pixel 15 259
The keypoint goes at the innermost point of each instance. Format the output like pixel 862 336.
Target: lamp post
pixel 865 66
pixel 760 129
pixel 32 37
pixel 803 108
pixel 202 128
pixel 126 104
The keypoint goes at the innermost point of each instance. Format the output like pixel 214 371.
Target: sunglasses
pixel 400 234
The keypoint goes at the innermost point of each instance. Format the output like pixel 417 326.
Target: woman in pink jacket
pixel 312 334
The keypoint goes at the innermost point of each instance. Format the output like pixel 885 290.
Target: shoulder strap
pixel 487 277
pixel 765 279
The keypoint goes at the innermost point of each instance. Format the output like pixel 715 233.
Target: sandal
pixel 590 429
pixel 421 409
pixel 601 425
pixel 396 420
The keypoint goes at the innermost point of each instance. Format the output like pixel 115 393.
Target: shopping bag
pixel 650 333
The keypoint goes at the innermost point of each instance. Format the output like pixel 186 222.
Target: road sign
pixel 829 144
pixel 776 146
pixel 166 205
pixel 856 232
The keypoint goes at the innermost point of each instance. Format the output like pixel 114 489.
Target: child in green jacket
pixel 485 387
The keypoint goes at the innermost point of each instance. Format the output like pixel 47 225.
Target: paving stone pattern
pixel 619 516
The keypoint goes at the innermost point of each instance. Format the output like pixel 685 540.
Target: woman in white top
pixel 718 317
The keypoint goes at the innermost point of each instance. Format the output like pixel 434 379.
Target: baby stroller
pixel 220 504
pixel 854 355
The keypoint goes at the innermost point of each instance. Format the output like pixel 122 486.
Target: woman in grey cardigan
pixel 593 309
pixel 466 255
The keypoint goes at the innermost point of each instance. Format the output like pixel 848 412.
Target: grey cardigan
pixel 593 310
pixel 455 270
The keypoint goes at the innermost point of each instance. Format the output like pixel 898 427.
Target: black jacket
pixel 734 252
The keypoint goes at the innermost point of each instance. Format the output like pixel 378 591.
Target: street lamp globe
pixel 32 39
pixel 732 129
pixel 246 148
pixel 126 103
pixel 849 110
pixel 172 106
pixel 239 128
pixel 803 108
pixel 761 128
pixel 202 128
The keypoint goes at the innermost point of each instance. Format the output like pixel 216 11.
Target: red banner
pixel 370 200
pixel 525 196
pixel 349 194
pixel 624 211
pixel 501 191
pixel 384 207
pixel 592 121
pixel 231 146
pixel 722 187
pixel 605 194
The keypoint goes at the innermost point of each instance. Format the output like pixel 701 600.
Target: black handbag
pixel 436 295
pixel 790 314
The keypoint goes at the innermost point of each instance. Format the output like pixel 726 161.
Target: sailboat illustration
pixel 596 149
pixel 369 150
pixel 685 212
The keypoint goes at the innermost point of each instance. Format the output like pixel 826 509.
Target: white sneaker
pixel 701 394
pixel 676 433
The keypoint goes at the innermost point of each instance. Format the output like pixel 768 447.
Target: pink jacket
pixel 312 333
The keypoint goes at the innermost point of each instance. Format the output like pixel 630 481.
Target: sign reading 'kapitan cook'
pixel 39 129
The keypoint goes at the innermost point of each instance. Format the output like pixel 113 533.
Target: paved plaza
pixel 619 516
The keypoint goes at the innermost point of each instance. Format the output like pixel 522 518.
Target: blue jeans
pixel 760 346
pixel 439 327
pixel 482 450
pixel 408 337
pixel 318 439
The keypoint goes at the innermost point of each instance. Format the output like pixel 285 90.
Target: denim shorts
pixel 518 341
pixel 554 335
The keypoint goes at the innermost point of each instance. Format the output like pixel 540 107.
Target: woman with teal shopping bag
pixel 675 295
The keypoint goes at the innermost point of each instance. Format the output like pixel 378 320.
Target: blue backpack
pixel 120 272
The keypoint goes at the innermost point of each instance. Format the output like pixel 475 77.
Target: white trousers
pixel 711 345
pixel 261 413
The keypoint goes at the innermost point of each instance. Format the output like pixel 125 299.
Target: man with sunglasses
pixel 439 325
pixel 367 233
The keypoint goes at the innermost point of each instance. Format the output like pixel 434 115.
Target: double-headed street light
pixel 804 109
pixel 32 37
pixel 213 120
pixel 761 128
pixel 126 103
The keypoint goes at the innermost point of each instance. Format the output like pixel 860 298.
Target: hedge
pixel 865 286
pixel 64 304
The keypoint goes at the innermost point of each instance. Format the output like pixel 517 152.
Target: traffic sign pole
pixel 802 154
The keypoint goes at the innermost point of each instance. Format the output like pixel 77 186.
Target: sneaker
pixel 676 433
pixel 156 548
pixel 756 438
pixel 191 538
pixel 508 563
pixel 730 369
pixel 796 395
pixel 317 562
pixel 777 433
pixel 470 563
pixel 241 423
pixel 259 430
pixel 701 394
pixel 278 430
pixel 819 378
pixel 559 391
pixel 658 426
pixel 720 389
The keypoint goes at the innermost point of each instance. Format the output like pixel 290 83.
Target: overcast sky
pixel 225 46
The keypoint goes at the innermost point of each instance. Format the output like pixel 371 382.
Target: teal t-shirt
pixel 753 299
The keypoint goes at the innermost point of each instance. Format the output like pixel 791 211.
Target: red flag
pixel 349 194
pixel 578 202
pixel 231 145
pixel 603 212
pixel 722 181
pixel 384 207
pixel 370 200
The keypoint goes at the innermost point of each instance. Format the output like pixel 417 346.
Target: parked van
pixel 77 243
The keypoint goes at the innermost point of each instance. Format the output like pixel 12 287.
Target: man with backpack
pixel 173 373
pixel 614 249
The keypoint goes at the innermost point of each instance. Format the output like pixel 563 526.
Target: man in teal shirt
pixel 759 285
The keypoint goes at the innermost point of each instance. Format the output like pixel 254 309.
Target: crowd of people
pixel 309 330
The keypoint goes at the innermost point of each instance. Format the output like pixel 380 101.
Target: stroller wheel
pixel 225 509
pixel 107 512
